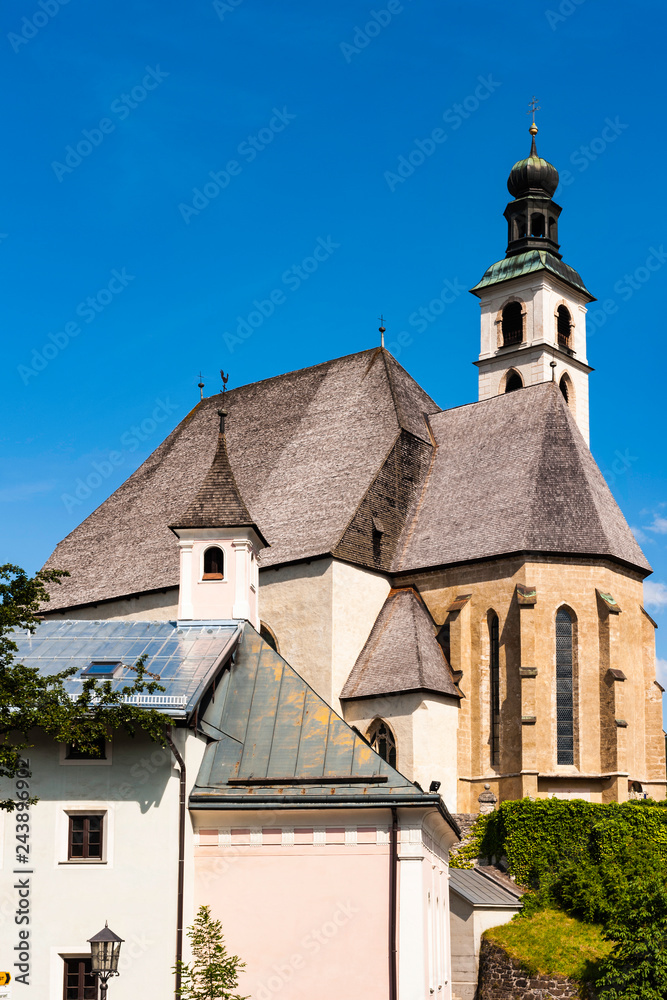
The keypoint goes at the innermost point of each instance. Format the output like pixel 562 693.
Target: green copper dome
pixel 532 174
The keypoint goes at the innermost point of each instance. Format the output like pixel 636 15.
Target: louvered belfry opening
pixel 512 324
pixel 494 668
pixel 564 689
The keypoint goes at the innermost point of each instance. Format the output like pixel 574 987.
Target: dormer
pixel 220 547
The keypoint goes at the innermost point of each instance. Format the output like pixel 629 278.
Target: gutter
pixel 393 904
pixel 181 859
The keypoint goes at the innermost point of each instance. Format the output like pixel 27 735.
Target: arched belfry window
pixel 494 672
pixel 512 324
pixel 563 326
pixel 564 688
pixel 564 389
pixel 537 224
pixel 383 741
pixel 513 381
pixel 214 563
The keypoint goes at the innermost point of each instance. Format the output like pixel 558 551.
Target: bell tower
pixel 533 304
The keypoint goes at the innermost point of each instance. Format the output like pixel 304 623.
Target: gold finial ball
pixel 533 129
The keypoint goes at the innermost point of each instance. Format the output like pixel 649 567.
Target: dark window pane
pixel 564 689
pixel 494 665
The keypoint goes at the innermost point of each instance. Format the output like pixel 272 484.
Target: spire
pixel 532 218
pixel 218 503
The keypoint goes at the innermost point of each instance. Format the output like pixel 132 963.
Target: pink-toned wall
pixel 310 919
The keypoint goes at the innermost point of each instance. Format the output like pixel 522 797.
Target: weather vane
pixel 382 329
pixel 225 379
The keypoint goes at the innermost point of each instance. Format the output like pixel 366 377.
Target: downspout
pixel 393 904
pixel 181 860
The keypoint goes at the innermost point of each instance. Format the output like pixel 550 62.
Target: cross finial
pixel 533 106
pixel 381 329
pixel 200 386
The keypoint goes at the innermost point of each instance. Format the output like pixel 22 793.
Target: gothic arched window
pixel 512 324
pixel 268 636
pixel 214 563
pixel 564 688
pixel 563 388
pixel 383 741
pixel 513 381
pixel 494 671
pixel 563 326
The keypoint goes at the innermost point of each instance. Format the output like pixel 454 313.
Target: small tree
pixel 636 968
pixel 30 700
pixel 213 973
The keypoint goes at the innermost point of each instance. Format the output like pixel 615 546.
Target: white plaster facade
pixel 540 294
pixel 133 886
pixel 235 596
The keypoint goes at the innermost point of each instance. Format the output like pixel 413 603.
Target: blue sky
pixel 170 169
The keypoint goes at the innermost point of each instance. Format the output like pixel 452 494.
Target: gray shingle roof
pixel 401 653
pixel 514 474
pixel 304 447
pixel 218 503
pixel 276 742
pixel 480 890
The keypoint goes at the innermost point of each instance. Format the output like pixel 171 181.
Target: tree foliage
pixel 605 864
pixel 212 974
pixel 31 701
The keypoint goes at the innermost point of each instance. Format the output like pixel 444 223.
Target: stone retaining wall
pixel 501 978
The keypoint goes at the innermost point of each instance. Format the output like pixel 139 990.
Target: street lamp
pixel 104 952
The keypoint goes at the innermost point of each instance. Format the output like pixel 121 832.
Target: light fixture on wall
pixel 434 786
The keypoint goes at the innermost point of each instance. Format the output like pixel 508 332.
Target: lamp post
pixel 104 952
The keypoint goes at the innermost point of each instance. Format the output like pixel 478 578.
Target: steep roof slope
pixel 513 474
pixel 304 448
pixel 275 741
pixel 401 653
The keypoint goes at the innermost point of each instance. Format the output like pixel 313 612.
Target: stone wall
pixel 501 978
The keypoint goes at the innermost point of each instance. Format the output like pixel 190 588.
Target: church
pixel 370 616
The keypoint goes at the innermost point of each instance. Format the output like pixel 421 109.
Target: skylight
pixel 102 669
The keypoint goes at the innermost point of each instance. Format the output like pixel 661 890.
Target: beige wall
pixel 322 613
pixel 607 755
pixel 159 607
pixel 425 730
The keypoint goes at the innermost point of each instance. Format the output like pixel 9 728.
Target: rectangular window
pixel 85 838
pixel 74 752
pixel 80 984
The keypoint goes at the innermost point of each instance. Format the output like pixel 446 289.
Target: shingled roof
pixel 218 502
pixel 276 743
pixel 514 474
pixel 305 448
pixel 401 653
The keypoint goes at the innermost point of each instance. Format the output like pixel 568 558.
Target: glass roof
pixel 184 656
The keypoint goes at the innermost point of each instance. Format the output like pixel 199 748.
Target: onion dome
pixel 532 174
